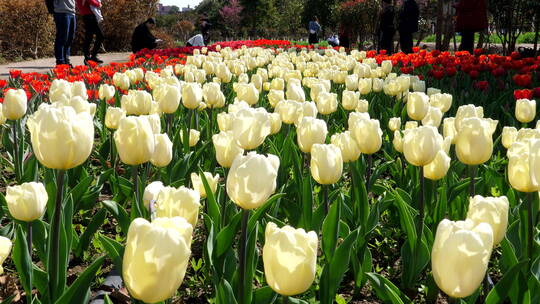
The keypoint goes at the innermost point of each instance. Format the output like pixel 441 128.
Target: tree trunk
pixel 481 40
pixel 439 26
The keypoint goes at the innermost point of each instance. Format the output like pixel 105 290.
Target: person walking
pixel 408 25
pixel 143 38
pixel 314 28
pixel 471 18
pixel 386 27
pixel 63 12
pixel 90 11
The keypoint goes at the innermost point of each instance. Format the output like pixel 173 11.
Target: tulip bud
pixel 417 105
pixel 244 185
pixel 137 103
pixel 277 84
pixel 449 129
pixel 441 101
pixel 193 138
pixel 392 88
pixel 168 97
pixel 349 100
pixel 15 104
pixel 467 111
pixel 289 110
pixel 251 127
pixel 509 135
pixel 419 86
pixel 433 117
pixel 213 96
pixel 364 85
pixel 351 82
pixel 474 144
pixel 162 155
pixel 60 90
pixel 437 168
pixel 368 135
pixel 61 138
pixel 377 84
pixel 192 95
pixel 3 119
pixel 151 192
pixel 490 210
pixel 134 140
pixel 460 256
pixel 326 163
pixel 421 145
pixel 27 202
pixel 326 103
pixel 386 66
pixel 348 146
pixel 296 92
pixel 519 161
pixel 394 124
pixel 121 81
pixel 248 93
pixel 226 148
pixel 156 257
pixel 525 110
pixel 5 250
pixel 275 96
pixel 398 141
pixel 113 117
pixel 362 106
pixel 183 202
pixel 78 88
pixel 275 123
pixel 433 91
pixel 199 186
pixel 287 276
pixel 534 163
pixel 311 131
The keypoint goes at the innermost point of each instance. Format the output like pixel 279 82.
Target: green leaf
pixel 114 250
pixel 386 290
pixel 212 205
pixel 76 293
pixel 40 280
pixel 500 292
pixel 23 262
pixel 91 229
pixel 406 218
pixel 107 300
pixel 330 231
pixel 225 237
pixel 119 213
pixel 225 294
pixel 9 300
pixel 261 210
pixel 264 295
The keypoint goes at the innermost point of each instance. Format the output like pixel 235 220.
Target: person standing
pixel 143 38
pixel 314 28
pixel 386 27
pixel 344 35
pixel 205 29
pixel 65 21
pixel 91 14
pixel 471 18
pixel 408 25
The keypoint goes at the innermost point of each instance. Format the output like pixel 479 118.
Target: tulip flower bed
pixel 250 174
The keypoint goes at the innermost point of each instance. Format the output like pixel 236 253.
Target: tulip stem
pixel 210 120
pixel 113 152
pixel 168 120
pixel 368 171
pixel 285 299
pixel 16 160
pixel 29 237
pixel 472 173
pixel 242 254
pixel 421 208
pixel 55 238
pixel 530 228
pixel 135 177
pixel 325 195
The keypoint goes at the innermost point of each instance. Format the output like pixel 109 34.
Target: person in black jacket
pixel 386 27
pixel 408 24
pixel 143 38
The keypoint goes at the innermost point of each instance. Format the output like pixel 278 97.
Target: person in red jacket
pixel 87 9
pixel 471 18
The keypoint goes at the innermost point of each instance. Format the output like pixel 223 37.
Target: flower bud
pixel 113 117
pixel 162 155
pixel 183 202
pixel 226 148
pixel 398 141
pixel 433 117
pixel 467 111
pixel 349 100
pixel 449 129
pixel 438 167
pixel 198 185
pixel 474 143
pixel 490 210
pixel 151 192
pixel 275 96
pixel 326 164
pixel 5 250
pixel 368 135
pixel 509 135
pixel 364 85
pixel 377 84
pixel 362 106
pixel 213 96
pixel 193 137
pixel 121 81
pixel 525 110
pixel 394 124
pixel 168 97
pixel 351 82
pixel 285 275
pixel 27 202
pixel 441 101
pixel 134 140
pixel 311 131
pixel 419 86
pixel 417 105
pixel 192 95
pixel 251 127
pixel 247 92
pixel 421 145
pixel 275 123
pixel 137 103
pixel 15 104
pixel 519 174
pixel 326 103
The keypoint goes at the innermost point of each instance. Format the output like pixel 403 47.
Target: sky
pixel 181 3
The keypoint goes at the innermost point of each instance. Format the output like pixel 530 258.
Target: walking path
pixel 45 64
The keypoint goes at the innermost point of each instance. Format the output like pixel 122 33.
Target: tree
pixel 231 15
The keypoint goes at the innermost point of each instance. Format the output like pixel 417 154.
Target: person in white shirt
pixel 197 40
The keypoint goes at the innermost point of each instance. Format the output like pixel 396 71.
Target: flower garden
pixel 267 172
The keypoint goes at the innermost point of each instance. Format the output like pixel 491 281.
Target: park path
pixel 45 64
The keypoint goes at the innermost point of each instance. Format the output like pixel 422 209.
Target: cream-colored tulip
pixel 60 90
pixel 311 131
pixel 509 136
pixel 213 96
pixel 27 202
pixel 275 123
pixel 106 92
pixel 226 148
pixel 474 143
pixel 168 97
pixel 519 174
pixel 5 250
pixel 78 88
pixel 137 102
pixel 362 106
pixel 183 202
pixel 326 163
pixel 411 125
pixel 290 259
pixel 289 110
pixel 15 104
pixel 441 101
pixel 151 192
pixel 257 81
pixel 251 127
pixel 438 167
pixel 378 85
pixel 113 117
pixel 394 124
pixel 419 86
pixel 275 96
pixel 365 85
pixel 61 138
pixel 79 104
pixel 193 137
pixel 121 81
pixel 417 105
pixel 386 66
pixel 392 88
pixel 326 103
pixel 192 95
pixel 349 100
pixel 247 92
pixel 368 134
pixel 421 145
pixel 198 185
pixel 351 82
pixel 134 140
pixel 525 110
pixel 449 129
pixel 156 257
pixel 433 117
pixel 534 162
pixel 467 111
pixel 460 256
pixel 433 91
pixel 277 84
pixel 3 119
pixel 397 142
pixel 348 146
pixel 296 92
pixel 162 155
pixel 154 121
pixel 244 185
pixel 490 210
